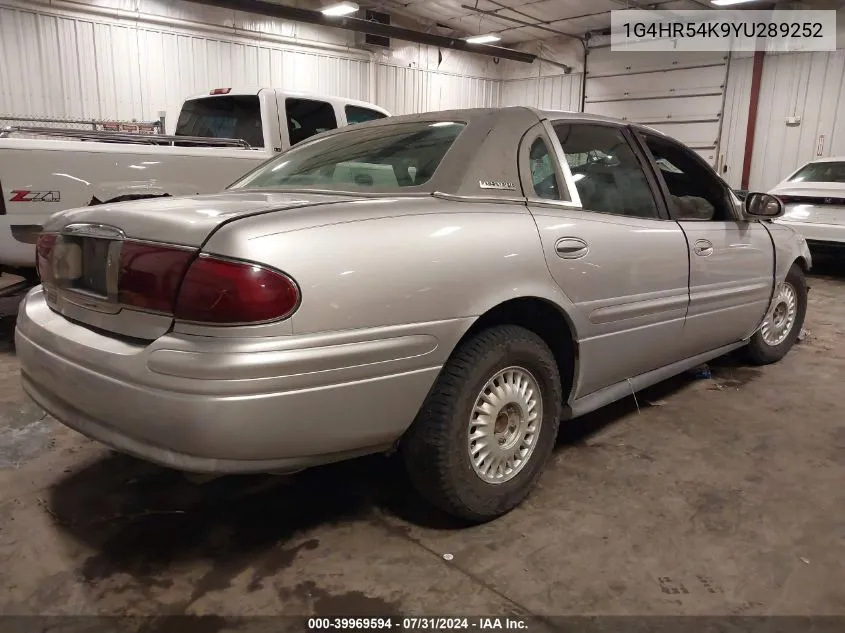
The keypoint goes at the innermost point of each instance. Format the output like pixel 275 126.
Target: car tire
pixel 508 363
pixel 763 349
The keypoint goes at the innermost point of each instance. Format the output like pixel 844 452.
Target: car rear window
pixel 380 158
pixel 826 171
pixel 237 116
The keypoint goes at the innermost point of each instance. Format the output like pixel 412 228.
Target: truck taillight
pixel 220 91
pixel 227 292
pixel 44 256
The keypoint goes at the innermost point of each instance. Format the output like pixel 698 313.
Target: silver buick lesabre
pixel 449 284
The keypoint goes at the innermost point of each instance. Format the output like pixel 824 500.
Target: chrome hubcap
pixel 781 318
pixel 504 425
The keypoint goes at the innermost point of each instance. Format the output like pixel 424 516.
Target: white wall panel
pixel 735 120
pixel 806 85
pixel 556 92
pixel 403 90
pixel 95 63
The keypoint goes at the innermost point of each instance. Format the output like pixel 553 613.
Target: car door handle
pixel 571 247
pixel 703 248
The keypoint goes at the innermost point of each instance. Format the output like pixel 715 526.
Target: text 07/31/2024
pixel 418 623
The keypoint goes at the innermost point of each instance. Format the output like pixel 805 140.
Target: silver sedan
pixel 450 284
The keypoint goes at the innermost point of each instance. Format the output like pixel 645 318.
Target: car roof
pixel 483 160
pixel 829 159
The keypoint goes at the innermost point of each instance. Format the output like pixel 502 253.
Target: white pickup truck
pixel 219 137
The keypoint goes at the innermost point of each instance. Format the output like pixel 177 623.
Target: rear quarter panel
pixel 367 266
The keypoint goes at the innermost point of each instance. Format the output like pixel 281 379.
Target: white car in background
pixel 814 198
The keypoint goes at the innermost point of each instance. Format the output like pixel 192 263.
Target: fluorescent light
pixel 725 3
pixel 483 39
pixel 341 8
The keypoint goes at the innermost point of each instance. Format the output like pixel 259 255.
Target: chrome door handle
pixel 571 247
pixel 703 248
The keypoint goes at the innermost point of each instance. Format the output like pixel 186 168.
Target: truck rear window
pixel 357 114
pixel 237 116
pixel 307 117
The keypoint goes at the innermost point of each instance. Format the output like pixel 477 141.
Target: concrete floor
pixel 722 496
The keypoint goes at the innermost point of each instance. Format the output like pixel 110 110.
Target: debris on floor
pixel 448 557
pixel 806 561
pixel 803 334
pixel 657 403
pixel 702 372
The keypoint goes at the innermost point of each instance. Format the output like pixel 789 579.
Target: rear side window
pixel 307 117
pixel 237 116
pixel 543 176
pixel 826 171
pixel 605 170
pixel 357 114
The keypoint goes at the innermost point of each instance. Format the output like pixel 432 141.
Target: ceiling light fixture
pixel 725 3
pixel 483 39
pixel 341 8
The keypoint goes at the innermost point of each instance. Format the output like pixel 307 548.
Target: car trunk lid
pixel 813 202
pixel 118 268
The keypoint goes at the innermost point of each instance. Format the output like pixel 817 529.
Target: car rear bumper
pixel 817 233
pixel 239 405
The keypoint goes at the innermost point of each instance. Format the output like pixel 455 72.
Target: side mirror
pixel 763 205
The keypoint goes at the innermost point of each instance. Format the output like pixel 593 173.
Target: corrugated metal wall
pixel 403 90
pixel 556 92
pixel 737 96
pixel 806 85
pixel 76 64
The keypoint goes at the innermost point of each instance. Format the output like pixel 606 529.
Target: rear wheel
pixel 487 427
pixel 783 322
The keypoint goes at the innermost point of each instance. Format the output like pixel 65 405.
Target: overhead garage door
pixel 680 94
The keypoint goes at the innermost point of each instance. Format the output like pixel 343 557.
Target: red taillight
pixel 220 91
pixel 150 275
pixel 221 291
pixel 44 256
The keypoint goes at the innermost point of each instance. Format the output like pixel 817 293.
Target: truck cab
pixel 218 137
pixel 269 119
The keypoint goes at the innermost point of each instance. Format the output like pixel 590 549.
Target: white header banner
pixel 776 31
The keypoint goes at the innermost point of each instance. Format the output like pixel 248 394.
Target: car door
pixel 731 257
pixel 609 245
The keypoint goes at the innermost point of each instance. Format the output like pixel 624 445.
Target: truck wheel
pixel 784 321
pixel 486 429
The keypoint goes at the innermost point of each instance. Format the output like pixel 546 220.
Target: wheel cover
pixel 781 318
pixel 504 425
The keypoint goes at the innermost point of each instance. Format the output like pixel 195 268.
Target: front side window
pixel 382 158
pixel 357 114
pixel 695 191
pixel 825 171
pixel 237 116
pixel 307 117
pixel 543 176
pixel 605 170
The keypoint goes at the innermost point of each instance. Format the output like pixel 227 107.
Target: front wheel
pixel 783 322
pixel 486 429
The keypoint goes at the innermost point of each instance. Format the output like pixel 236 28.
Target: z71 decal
pixel 24 195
